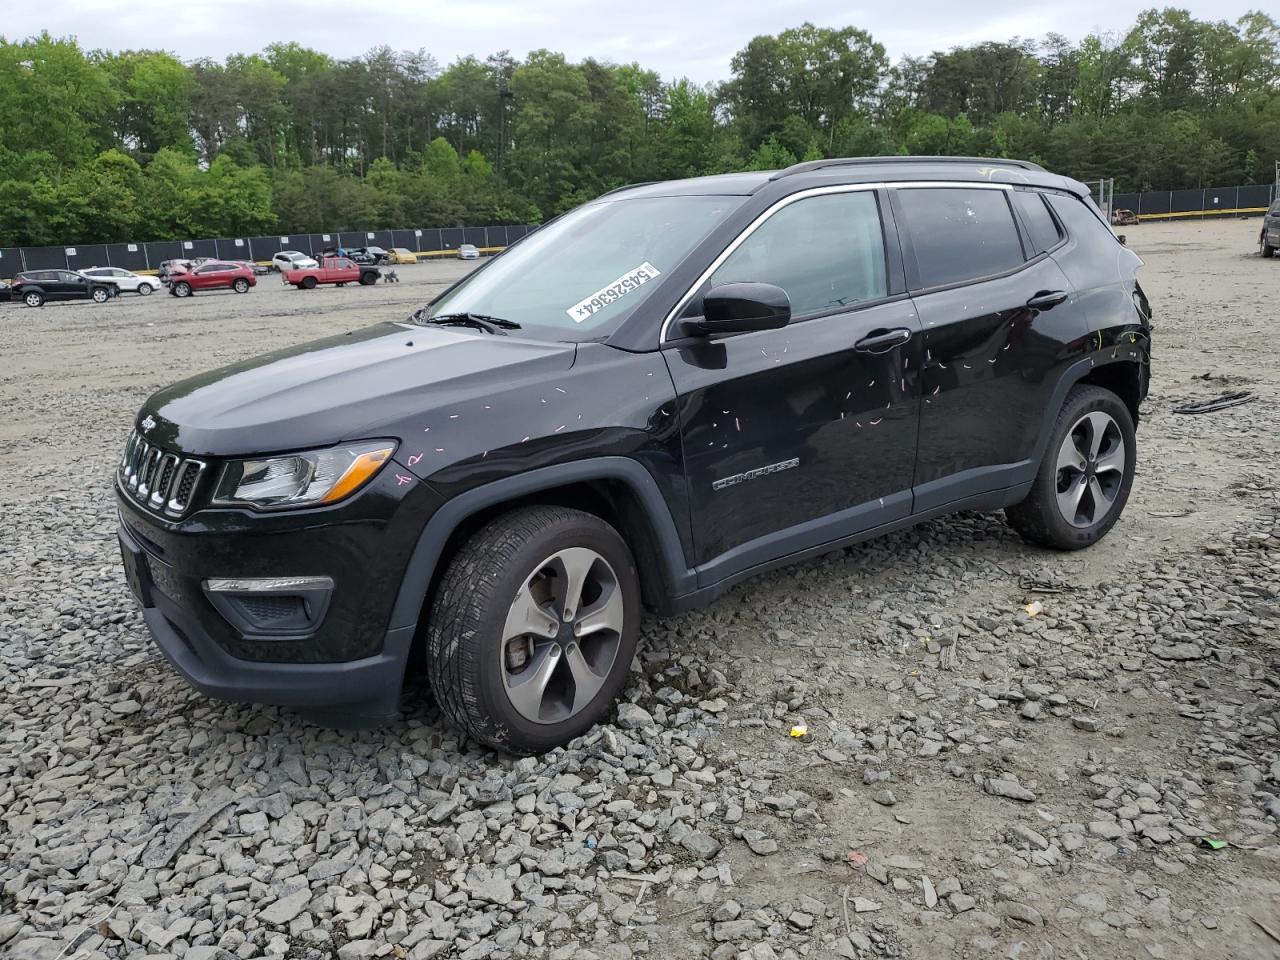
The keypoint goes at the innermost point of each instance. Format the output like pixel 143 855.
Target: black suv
pixel 37 287
pixel 651 398
pixel 1269 238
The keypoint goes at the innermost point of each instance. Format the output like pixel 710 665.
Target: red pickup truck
pixel 336 270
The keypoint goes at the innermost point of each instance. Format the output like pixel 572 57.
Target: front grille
pixel 159 480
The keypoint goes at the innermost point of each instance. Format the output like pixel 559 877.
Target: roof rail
pixel 628 186
pixel 855 161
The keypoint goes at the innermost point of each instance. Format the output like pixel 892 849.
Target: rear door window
pixel 826 252
pixel 960 234
pixel 1042 229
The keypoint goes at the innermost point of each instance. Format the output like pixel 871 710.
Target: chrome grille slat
pixel 161 481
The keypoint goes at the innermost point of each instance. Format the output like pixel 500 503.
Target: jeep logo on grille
pixel 148 424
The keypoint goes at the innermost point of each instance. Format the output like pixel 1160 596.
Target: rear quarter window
pixel 960 234
pixel 1042 229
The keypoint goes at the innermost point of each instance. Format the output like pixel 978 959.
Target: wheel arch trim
pixel 424 560
pixel 1076 373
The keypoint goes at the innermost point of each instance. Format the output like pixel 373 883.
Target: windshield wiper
pixel 495 325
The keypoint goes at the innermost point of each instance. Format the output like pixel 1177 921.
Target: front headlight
pixel 302 479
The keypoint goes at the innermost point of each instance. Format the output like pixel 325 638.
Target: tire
pixel 368 278
pixel 1089 463
pixel 308 283
pixel 34 299
pixel 1265 248
pixel 145 289
pixel 99 295
pixel 477 653
pixel 241 285
pixel 181 289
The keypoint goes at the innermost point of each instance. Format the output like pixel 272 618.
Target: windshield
pixel 581 274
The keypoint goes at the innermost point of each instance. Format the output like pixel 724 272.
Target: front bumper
pixel 350 662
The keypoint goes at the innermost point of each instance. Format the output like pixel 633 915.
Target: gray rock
pixel 1020 912
pixel 701 845
pixel 286 908
pixel 634 717
pixel 491 886
pixel 1009 789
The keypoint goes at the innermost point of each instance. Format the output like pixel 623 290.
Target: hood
pixel 348 387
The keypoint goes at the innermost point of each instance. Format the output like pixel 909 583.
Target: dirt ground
pixel 977 781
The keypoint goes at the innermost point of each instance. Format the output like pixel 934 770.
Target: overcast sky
pixel 693 38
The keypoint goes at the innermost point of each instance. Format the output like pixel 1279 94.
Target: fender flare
pixel 435 535
pixel 1073 375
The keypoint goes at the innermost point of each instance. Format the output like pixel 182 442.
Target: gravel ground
pixel 976 781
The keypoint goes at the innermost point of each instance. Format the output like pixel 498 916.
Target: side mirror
pixel 740 308
pixel 1124 241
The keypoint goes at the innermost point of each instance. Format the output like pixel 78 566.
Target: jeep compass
pixel 665 391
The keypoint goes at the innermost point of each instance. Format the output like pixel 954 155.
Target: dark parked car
pixel 1269 237
pixel 650 399
pixel 369 256
pixel 212 275
pixel 37 287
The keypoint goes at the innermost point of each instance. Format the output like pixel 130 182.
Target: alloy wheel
pixel 561 635
pixel 1091 469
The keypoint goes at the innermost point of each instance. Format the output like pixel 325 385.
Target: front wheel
pixel 241 285
pixel 1265 248
pixel 1085 476
pixel 145 289
pixel 368 278
pixel 181 289
pixel 532 629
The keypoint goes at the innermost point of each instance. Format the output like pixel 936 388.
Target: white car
pixel 125 280
pixel 293 260
pixel 468 251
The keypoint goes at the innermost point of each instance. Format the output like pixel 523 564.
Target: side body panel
pixel 830 429
pixel 991 365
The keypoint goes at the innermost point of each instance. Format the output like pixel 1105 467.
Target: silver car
pixel 293 260
pixel 468 251
pixel 125 280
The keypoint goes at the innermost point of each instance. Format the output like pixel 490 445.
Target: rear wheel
pixel 99 294
pixel 1265 248
pixel 308 283
pixel 34 299
pixel 182 289
pixel 241 285
pixel 1086 474
pixel 532 629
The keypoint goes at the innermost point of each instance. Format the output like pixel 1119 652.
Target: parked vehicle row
pixel 185 276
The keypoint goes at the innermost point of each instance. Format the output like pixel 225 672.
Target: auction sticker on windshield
pixel 595 302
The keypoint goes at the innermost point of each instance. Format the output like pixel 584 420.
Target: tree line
pixel 109 146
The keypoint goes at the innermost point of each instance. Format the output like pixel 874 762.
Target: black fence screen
pixel 1206 202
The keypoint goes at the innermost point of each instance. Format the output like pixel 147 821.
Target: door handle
pixel 1047 299
pixel 882 341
